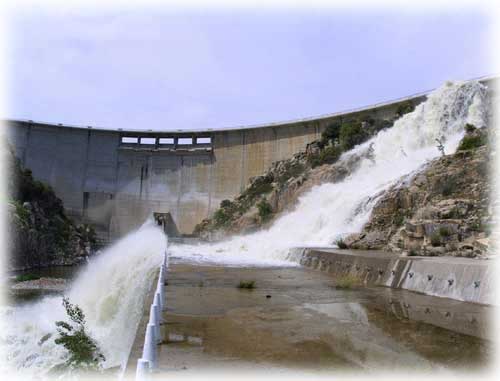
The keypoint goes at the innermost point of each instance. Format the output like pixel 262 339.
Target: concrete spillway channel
pixel 296 319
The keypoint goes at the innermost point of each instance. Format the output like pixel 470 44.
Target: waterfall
pixel 110 291
pixel 330 211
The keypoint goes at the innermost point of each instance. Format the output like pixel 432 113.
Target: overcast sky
pixel 163 70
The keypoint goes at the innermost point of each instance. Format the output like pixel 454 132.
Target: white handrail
pixel 152 338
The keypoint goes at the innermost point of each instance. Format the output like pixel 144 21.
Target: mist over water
pixel 330 211
pixel 110 290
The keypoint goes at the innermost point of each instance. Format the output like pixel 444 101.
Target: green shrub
pixel 329 155
pixel 265 210
pixel 22 212
pixel 444 231
pixel 413 253
pixel 26 277
pixel 405 108
pixel 331 133
pixel 222 217
pixel 226 204
pixel 435 239
pixel 259 187
pixel 381 124
pixel 351 134
pixel 246 284
pixel 341 244
pixel 399 219
pixel 83 350
pixel 291 170
pixel 470 128
pixel 346 282
pixel 471 142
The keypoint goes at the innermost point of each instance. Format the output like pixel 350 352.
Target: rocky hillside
pixel 279 188
pixel 443 210
pixel 40 234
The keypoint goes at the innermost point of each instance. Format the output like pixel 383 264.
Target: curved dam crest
pixel 115 179
pixel 105 180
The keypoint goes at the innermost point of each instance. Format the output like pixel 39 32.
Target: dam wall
pixel 115 179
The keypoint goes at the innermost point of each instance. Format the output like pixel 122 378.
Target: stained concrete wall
pixel 117 186
pixel 464 279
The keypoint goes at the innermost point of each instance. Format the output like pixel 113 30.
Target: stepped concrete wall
pixel 465 279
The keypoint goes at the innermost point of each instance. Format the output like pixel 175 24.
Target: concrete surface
pixel 464 279
pixel 296 320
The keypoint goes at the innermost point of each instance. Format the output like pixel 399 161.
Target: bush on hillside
pixel 405 108
pixel 265 210
pixel 351 134
pixel 472 142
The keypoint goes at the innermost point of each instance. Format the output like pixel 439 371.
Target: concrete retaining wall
pixel 465 279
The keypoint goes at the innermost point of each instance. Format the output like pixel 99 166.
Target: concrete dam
pixel 115 178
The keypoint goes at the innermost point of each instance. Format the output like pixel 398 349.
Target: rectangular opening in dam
pixel 130 140
pixel 185 141
pixel 148 141
pixel 204 140
pixel 166 140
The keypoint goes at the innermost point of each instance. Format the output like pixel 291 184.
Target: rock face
pixel 443 210
pixel 40 234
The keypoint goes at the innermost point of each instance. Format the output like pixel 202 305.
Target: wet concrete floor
pixel 295 318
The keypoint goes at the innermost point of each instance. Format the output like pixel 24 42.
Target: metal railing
pixel 152 338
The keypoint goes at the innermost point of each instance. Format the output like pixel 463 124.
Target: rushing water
pixel 110 290
pixel 330 211
pixel 112 287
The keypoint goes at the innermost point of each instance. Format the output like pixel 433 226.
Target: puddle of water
pixel 296 319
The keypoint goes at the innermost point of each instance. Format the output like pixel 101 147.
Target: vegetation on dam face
pixel 39 230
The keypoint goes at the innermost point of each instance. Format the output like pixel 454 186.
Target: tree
pixel 83 350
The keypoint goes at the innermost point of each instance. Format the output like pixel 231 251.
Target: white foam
pixel 110 291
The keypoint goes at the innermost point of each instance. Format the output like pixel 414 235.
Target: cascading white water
pixel 112 287
pixel 332 210
pixel 110 291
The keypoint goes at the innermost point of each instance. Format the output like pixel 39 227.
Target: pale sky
pixel 159 69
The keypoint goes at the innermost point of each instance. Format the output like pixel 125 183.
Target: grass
pixel 346 282
pixel 246 284
pixel 26 277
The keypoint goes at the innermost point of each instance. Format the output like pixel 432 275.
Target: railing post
pixel 153 321
pixel 142 369
pixel 149 350
pixel 161 298
pixel 149 359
